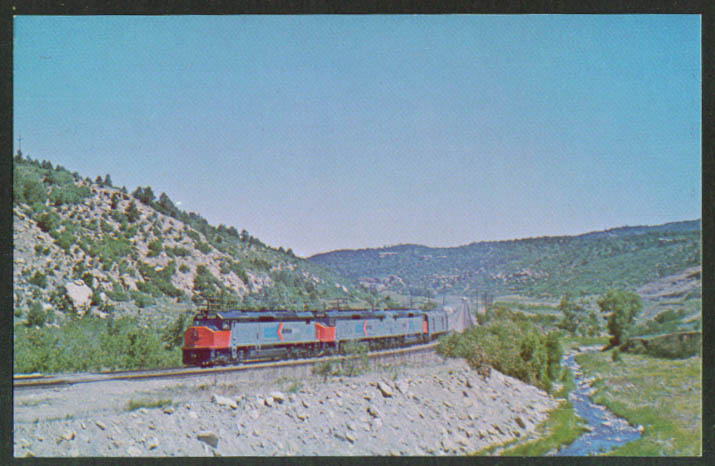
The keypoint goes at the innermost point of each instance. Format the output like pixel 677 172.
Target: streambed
pixel 607 431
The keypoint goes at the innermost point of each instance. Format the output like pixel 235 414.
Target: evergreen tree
pixel 108 180
pixel 132 212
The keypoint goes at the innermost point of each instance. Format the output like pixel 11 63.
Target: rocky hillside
pixel 544 267
pixel 83 245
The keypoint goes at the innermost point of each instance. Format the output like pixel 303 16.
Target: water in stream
pixel 607 430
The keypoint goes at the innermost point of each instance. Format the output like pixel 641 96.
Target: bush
pixel 28 187
pixel 203 247
pixel 36 316
pixel 159 281
pixel 177 251
pixel 183 268
pixel 91 344
pixel 39 279
pixel 515 348
pixel 155 248
pixel 142 299
pixel 48 221
pixel 69 194
pixel 64 239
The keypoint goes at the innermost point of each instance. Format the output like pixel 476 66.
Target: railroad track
pixel 46 381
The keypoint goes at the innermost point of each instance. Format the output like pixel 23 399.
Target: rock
pixel 384 389
pixel 101 425
pixel 349 437
pixel 208 438
pixel 152 442
pixel 278 397
pixel 403 387
pixel 168 410
pixel 305 403
pixel 447 403
pixel 372 411
pixel 268 401
pixel 302 415
pixel 68 435
pixel 224 401
pixel 79 294
pixel 193 415
pixel 468 383
pixel 520 422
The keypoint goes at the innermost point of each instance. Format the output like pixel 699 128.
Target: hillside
pixel 626 257
pixel 83 245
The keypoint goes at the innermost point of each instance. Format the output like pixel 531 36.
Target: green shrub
pixel 36 316
pixel 159 281
pixel 515 348
pixel 27 187
pixel 203 247
pixel 64 239
pixel 69 194
pixel 59 177
pixel 155 248
pixel 39 279
pixel 177 251
pixel 142 299
pixel 117 293
pixel 193 235
pixel 42 250
pixel 183 268
pixel 48 221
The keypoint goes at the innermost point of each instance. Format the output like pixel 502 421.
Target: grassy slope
pixel 662 395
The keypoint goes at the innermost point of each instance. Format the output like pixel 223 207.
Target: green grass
pixel 562 427
pixel 662 395
pixel 133 405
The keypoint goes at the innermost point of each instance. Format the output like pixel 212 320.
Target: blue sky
pixel 326 132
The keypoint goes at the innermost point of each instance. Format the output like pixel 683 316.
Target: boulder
pixel 224 401
pixel 208 438
pixel 79 295
pixel 384 389
pixel 278 397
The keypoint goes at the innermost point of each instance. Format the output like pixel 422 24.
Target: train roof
pixel 239 314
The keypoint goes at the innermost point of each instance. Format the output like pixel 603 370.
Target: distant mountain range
pixel 624 257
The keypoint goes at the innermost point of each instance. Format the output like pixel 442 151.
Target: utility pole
pixel 19 143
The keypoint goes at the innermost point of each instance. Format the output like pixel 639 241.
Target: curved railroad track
pixel 46 381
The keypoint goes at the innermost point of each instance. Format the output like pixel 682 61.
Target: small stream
pixel 607 430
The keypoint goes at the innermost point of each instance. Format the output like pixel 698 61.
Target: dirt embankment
pixel 435 407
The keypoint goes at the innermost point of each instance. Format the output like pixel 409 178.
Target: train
pixel 234 336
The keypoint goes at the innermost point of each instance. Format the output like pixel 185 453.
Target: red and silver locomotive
pixel 234 336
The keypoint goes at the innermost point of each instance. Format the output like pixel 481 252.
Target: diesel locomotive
pixel 218 337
